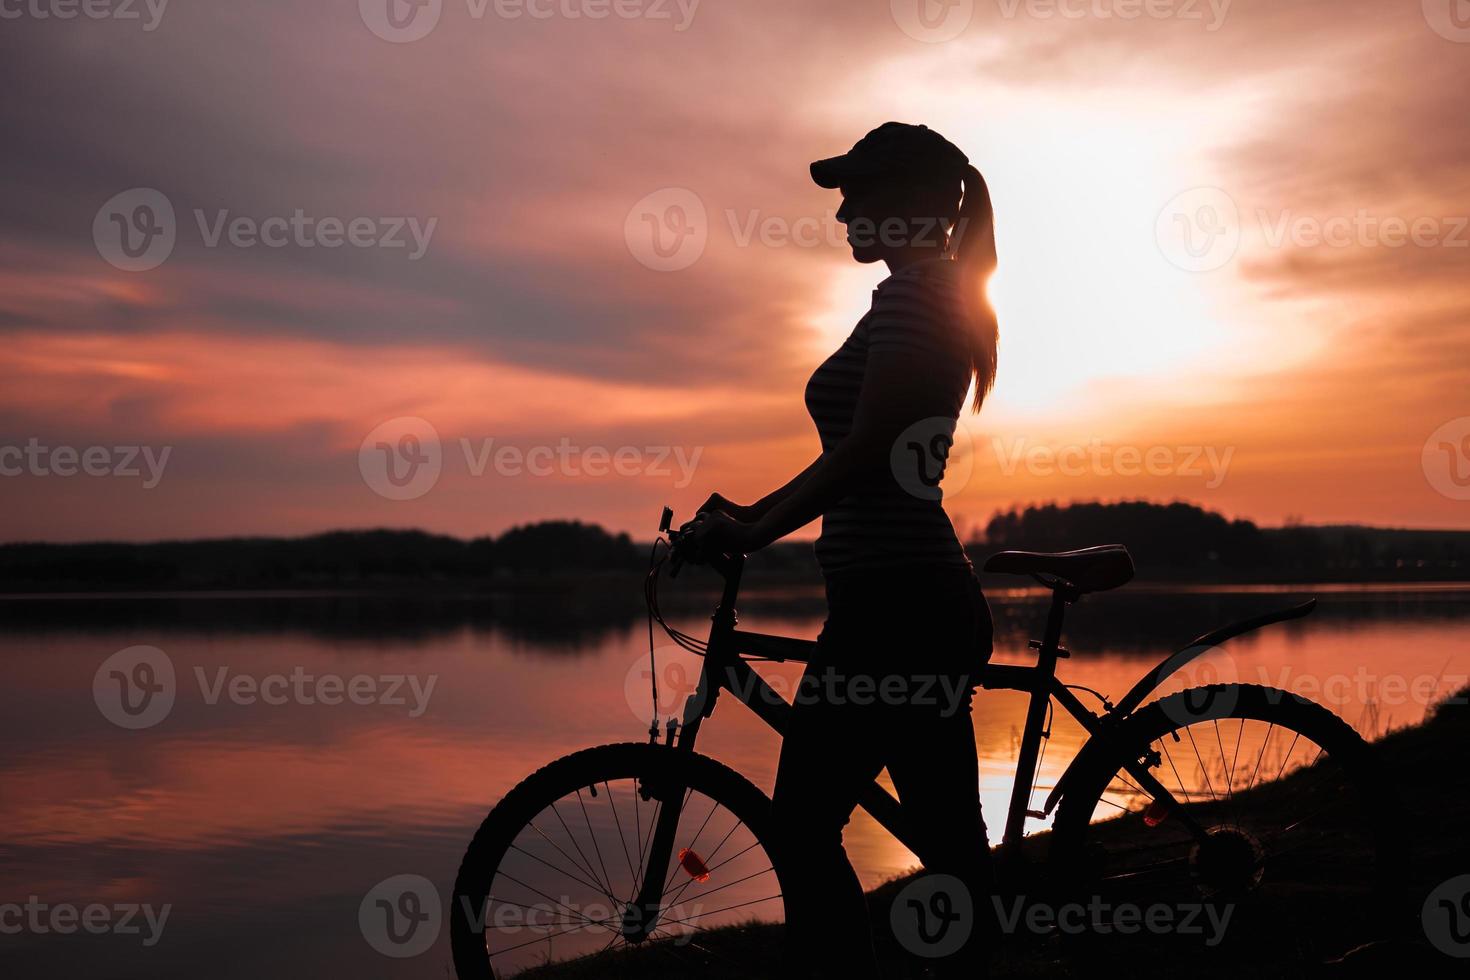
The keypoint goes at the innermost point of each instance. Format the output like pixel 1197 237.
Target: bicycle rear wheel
pixel 557 863
pixel 1279 824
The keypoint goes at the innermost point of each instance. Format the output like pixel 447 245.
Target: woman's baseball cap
pixel 894 149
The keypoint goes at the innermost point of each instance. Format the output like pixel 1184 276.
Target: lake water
pixel 317 745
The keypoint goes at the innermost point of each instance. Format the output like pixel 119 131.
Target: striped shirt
pixel 891 518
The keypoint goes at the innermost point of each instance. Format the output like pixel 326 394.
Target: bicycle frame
pixel 725 669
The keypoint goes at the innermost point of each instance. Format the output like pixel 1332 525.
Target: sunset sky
pixel 1235 261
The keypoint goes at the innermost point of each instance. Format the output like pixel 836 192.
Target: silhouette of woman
pixel 890 684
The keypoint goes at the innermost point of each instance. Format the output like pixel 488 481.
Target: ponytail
pixel 972 245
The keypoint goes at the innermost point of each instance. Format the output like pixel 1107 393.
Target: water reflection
pixel 263 825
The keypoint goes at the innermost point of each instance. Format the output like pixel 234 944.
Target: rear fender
pixel 1171 665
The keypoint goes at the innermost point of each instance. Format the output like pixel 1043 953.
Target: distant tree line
pixel 1187 543
pixel 339 558
pixel 1169 542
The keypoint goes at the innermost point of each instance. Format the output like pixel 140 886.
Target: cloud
pixel 528 142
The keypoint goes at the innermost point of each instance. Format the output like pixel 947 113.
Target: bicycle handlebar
pixel 682 552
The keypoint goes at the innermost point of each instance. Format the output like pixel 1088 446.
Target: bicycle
pixel 653 845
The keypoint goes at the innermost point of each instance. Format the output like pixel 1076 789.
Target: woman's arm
pixel 763 506
pixel 754 512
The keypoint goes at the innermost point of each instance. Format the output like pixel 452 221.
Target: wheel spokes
pixel 559 890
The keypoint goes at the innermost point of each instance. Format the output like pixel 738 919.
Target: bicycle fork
pixel 641 917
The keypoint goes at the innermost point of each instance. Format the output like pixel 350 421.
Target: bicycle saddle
pixel 1088 570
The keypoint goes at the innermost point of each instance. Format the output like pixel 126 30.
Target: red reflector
pixel 693 865
pixel 1158 811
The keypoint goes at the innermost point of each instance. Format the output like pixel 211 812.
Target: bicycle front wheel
pixel 555 867
pixel 1274 816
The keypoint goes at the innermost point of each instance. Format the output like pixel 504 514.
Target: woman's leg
pixel 829 754
pixel 841 737
pixel 935 768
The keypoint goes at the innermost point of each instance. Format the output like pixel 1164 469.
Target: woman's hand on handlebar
pixel 718 504
pixel 715 533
